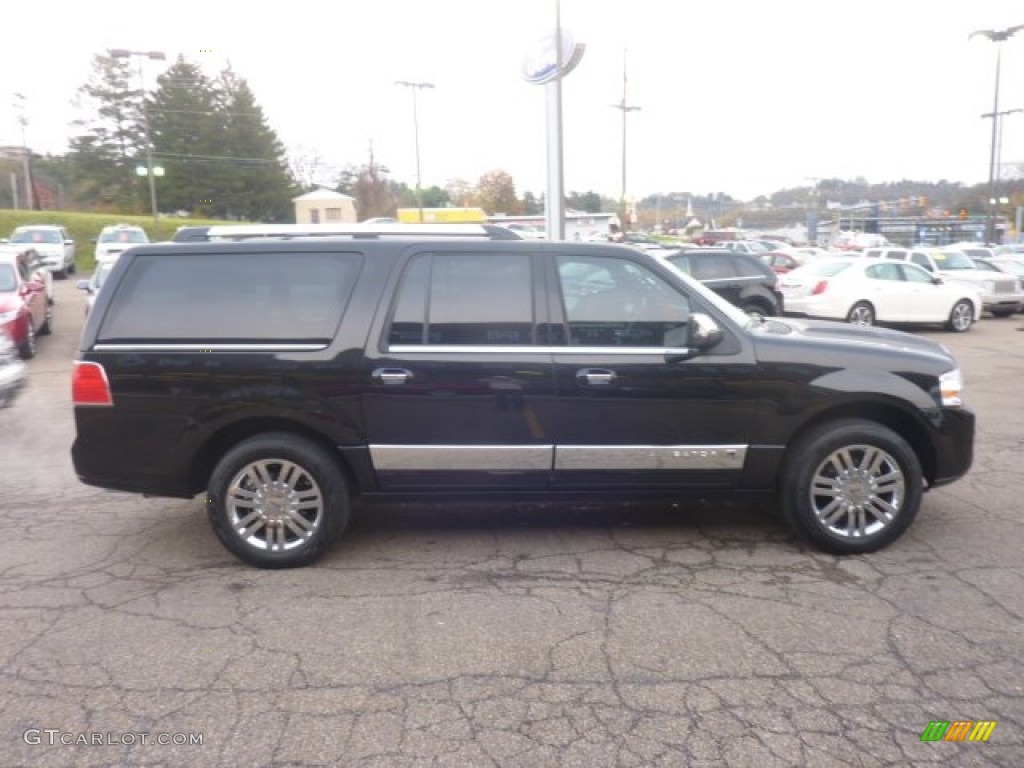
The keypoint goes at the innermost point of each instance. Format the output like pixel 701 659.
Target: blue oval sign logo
pixel 540 65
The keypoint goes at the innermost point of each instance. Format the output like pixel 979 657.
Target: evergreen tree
pixel 103 156
pixel 187 128
pixel 259 185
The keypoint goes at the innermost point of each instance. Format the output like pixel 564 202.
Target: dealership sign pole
pixel 553 57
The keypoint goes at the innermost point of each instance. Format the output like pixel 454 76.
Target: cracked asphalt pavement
pixel 501 634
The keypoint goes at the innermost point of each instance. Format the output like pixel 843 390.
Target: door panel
pixel 625 416
pixel 452 395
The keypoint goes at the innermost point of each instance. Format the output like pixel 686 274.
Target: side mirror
pixel 704 331
pixel 69 242
pixel 701 333
pixel 937 280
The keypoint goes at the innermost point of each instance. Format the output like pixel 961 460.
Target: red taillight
pixel 89 385
pixel 820 288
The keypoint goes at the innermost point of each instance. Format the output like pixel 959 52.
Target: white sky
pixel 738 96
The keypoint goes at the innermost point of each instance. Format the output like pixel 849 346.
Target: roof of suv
pixel 363 230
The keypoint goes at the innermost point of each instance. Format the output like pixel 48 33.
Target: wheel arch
pixel 906 425
pixel 226 438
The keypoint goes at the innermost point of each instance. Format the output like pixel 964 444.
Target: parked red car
pixel 25 309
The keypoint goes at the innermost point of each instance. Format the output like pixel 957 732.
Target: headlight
pixel 951 386
pixel 6 317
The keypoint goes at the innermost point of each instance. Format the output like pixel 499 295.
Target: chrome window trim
pixel 256 347
pixel 542 458
pixel 649 457
pixel 408 349
pixel 459 458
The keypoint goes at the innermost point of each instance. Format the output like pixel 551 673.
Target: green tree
pixel 188 126
pixel 259 185
pixel 103 155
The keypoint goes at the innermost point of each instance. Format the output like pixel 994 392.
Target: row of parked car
pixel 950 286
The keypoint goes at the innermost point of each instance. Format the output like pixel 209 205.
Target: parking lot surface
pixel 504 634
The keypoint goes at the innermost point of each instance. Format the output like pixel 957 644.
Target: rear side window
pixel 236 297
pixel 465 299
pixel 713 267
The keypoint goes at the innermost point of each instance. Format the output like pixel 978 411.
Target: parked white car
pixel 53 245
pixel 117 238
pixel 865 291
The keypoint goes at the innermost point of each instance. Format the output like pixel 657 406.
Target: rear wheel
pixel 961 317
pixel 756 309
pixel 851 486
pixel 278 500
pixel 861 313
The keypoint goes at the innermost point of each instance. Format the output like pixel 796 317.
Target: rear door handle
pixel 392 376
pixel 595 377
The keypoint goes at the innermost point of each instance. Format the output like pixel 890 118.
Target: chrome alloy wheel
pixel 962 316
pixel 857 491
pixel 274 505
pixel 861 314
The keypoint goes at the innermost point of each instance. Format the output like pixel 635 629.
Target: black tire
pixel 861 313
pixel 961 317
pixel 60 274
pixel 47 327
pixel 851 512
pixel 295 470
pixel 1002 312
pixel 72 268
pixel 27 349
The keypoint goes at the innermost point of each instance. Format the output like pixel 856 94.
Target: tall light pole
pixel 415 87
pixel 625 108
pixel 26 156
pixel 998 37
pixel 122 53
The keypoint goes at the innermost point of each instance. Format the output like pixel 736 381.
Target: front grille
pixel 1005 286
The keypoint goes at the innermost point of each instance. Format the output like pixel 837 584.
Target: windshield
pixel 7 280
pixel 953 260
pixel 35 236
pixel 124 236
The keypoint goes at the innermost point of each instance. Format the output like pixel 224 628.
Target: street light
pixel 624 108
pixel 151 172
pixel 415 88
pixel 26 156
pixel 998 37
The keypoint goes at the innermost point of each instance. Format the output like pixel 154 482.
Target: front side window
pixel 914 274
pixel 921 260
pixel 612 301
pixel 231 298
pixel 465 299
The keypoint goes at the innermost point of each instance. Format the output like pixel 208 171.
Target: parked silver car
pixel 12 370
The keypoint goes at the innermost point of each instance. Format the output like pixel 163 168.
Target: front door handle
pixel 595 377
pixel 392 376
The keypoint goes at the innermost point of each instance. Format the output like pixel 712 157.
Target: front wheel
pixel 851 486
pixel 278 500
pixel 861 313
pixel 961 317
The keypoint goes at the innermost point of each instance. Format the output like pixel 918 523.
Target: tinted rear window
pixel 237 297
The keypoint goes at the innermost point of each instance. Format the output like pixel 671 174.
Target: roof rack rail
pixel 364 231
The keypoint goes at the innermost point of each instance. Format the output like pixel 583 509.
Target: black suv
pixel 740 278
pixel 282 374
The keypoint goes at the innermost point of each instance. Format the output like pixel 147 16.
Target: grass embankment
pixel 86 226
